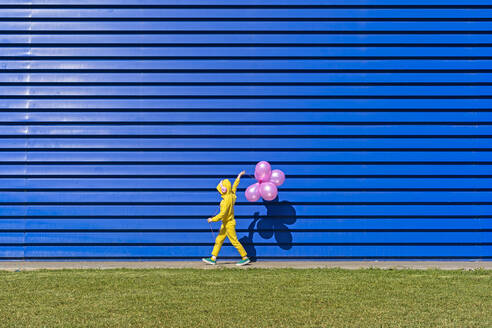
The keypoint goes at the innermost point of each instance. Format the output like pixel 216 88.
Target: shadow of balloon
pixel 274 224
pixel 247 241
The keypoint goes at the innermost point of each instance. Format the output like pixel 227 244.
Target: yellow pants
pixel 229 230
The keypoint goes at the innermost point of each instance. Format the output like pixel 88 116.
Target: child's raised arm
pixel 236 183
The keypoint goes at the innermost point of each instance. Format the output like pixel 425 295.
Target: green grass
pixel 246 298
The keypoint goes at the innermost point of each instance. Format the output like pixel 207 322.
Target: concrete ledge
pixel 420 265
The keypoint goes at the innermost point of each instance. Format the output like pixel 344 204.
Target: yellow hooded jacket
pixel 228 227
pixel 229 197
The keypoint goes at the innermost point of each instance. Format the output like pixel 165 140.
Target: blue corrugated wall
pixel 119 117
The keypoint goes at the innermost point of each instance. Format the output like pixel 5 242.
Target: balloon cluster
pixel 267 184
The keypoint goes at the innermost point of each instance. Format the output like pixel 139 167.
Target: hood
pixel 225 183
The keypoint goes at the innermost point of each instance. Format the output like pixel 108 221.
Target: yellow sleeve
pixel 236 184
pixel 225 204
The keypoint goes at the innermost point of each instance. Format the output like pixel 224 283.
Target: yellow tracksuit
pixel 228 227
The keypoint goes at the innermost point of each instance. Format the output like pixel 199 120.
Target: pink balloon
pixel 263 171
pixel 253 192
pixel 268 190
pixel 277 177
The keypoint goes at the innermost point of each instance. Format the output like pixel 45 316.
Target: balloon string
pixel 210 224
pixel 211 230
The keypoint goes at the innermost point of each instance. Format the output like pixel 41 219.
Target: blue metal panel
pixel 244 130
pixel 165 3
pixel 381 224
pixel 255 14
pixel 154 103
pixel 246 91
pixel 203 237
pixel 168 157
pixel 436 25
pixel 243 77
pixel 336 118
pixel 246 209
pixel 229 170
pixel 440 68
pixel 250 143
pixel 246 50
pixel 117 119
pixel 341 183
pixel 207 197
pixel 257 39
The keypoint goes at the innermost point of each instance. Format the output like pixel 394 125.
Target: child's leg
pixel 219 241
pixel 231 233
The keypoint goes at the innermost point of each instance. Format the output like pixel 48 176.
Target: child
pixel 228 227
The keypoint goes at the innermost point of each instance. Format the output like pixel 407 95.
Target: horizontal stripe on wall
pixel 137 65
pixel 235 118
pixel 204 211
pixel 179 225
pixel 248 143
pixel 257 13
pixel 192 3
pixel 259 237
pixel 102 26
pixel 229 170
pixel 245 130
pixel 270 39
pixel 452 251
pixel 250 91
pixel 208 184
pixel 205 104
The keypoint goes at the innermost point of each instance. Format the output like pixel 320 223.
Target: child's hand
pixel 242 173
pixel 209 220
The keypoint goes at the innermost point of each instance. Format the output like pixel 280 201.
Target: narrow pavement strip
pixel 421 265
